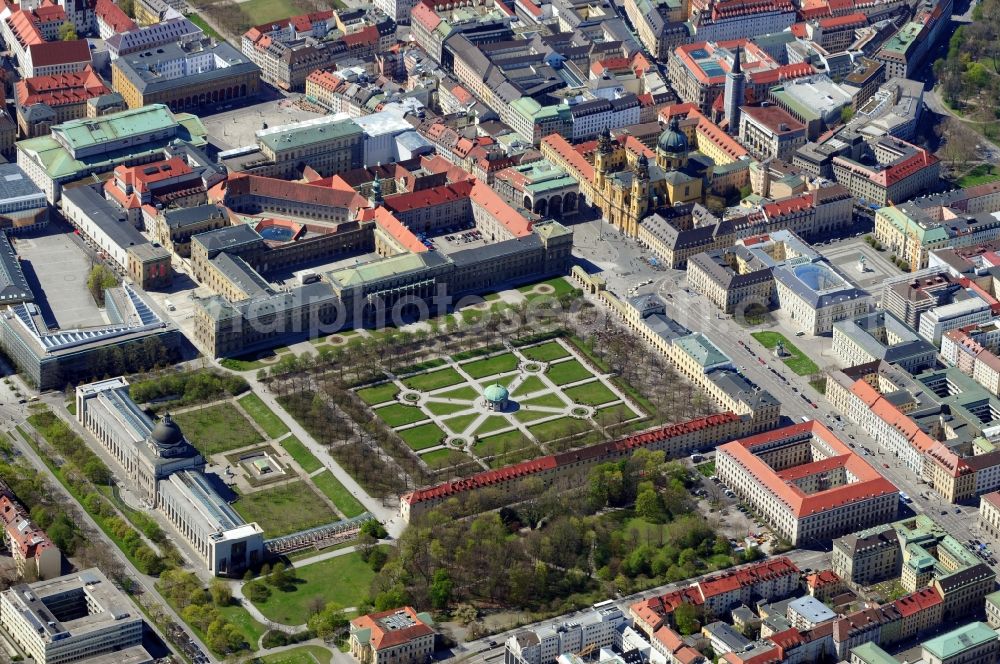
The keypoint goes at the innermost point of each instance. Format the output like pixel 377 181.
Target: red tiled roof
pixel 824 578
pixel 29 539
pixel 59 52
pixel 241 184
pixel 399 232
pixel 424 14
pixel 855 19
pixel 113 16
pixel 424 198
pixel 579 167
pixel 750 575
pixel 60 89
pixel 921 600
pixel 526 468
pixel 868 483
pixel 382 637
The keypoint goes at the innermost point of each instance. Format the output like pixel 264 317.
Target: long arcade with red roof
pixel 806 483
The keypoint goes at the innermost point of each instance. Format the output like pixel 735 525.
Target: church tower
pixel 602 159
pixel 735 93
pixel 672 147
pixel 639 203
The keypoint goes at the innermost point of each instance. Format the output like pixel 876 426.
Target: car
pixel 943 512
pixel 813 405
pixel 885 465
pixel 958 510
pixel 852 444
pixel 493 644
pixel 851 436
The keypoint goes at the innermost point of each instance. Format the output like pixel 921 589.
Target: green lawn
pixel 551 400
pixel 285 509
pixel 397 414
pixel 217 428
pixel 560 285
pixel 491 365
pixel 593 393
pixel 619 412
pixel 568 372
pixel 268 11
pixel 707 469
pixel 529 385
pixel 433 380
pixel 241 618
pixel 442 408
pixel 981 174
pixel 796 360
pixel 502 380
pixel 439 459
pixel 344 580
pixel 338 493
pixel 502 442
pixel 558 428
pixel 466 392
pixel 205 27
pixel 530 415
pixel 264 416
pixel 546 352
pixel 300 655
pixel 302 456
pixel 378 394
pixel 460 423
pixel 422 436
pixel 491 424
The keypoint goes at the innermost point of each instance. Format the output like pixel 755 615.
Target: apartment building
pixel 867 557
pixel 596 629
pixel 28 544
pixel 770 132
pixel 989 515
pixel 806 483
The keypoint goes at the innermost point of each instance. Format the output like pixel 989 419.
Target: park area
pixel 546 397
pixel 796 360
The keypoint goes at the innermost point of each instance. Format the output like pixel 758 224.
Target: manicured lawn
pixel 468 393
pixel 502 380
pixel 819 385
pixel 442 408
pixel 529 385
pixel 397 414
pixel 558 428
pixel 241 618
pixel 559 284
pixel 263 416
pixel 492 423
pixel 619 412
pixel 502 442
pixel 707 469
pixel 531 415
pixel 285 509
pixel 302 456
pixel 439 459
pixel 460 423
pixel 433 380
pixel 378 394
pixel 547 352
pixel 591 394
pixel 300 655
pixel 344 580
pixel 217 428
pixel 796 359
pixel 422 436
pixel 568 372
pixel 491 365
pixel 338 493
pixel 551 400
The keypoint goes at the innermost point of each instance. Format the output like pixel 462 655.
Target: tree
pixel 846 113
pixel 220 591
pixel 127 6
pixel 440 589
pixel 686 619
pixel 100 278
pixel 327 622
pixel 67 32
pixel 256 591
pixel 649 507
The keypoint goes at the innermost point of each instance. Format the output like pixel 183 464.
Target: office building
pixel 974 643
pixel 594 630
pixel 79 617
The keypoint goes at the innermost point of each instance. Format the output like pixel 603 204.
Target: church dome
pixel 673 140
pixel 166 433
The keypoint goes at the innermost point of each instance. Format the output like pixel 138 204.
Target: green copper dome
pixel 673 140
pixel 495 393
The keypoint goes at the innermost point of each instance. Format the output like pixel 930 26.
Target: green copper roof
pixel 704 352
pixel 869 653
pixel 85 132
pixel 957 641
pixel 495 393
